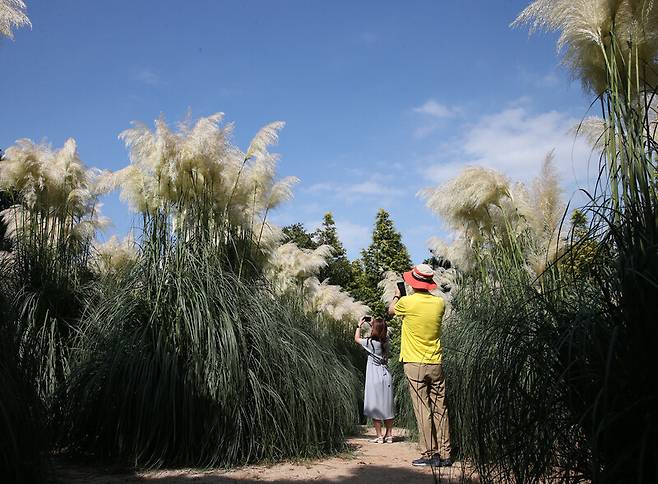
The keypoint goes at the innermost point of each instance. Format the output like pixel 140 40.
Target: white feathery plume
pixel 12 218
pixel 138 189
pixel 547 208
pixel 288 265
pixel 270 236
pixel 388 285
pixel 53 187
pixel 585 28
pixel 516 215
pixel 115 255
pixel 547 198
pixel 331 301
pixel 458 251
pixel 23 167
pixel 198 162
pixel 267 136
pixel 281 192
pixel 291 269
pixel 594 130
pixel 465 201
pixel 12 15
pixel 483 203
pixel 101 182
pixel 545 254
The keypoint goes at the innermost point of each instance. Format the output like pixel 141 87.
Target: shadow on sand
pixel 362 474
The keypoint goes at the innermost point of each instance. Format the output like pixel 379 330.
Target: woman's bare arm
pixel 357 332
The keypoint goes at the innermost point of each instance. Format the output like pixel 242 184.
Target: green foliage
pixel 23 434
pixel 186 357
pixel 548 374
pixel 506 381
pixel 192 360
pixel 386 252
pixel 51 221
pixel 5 203
pixel 297 233
pixel 186 364
pixel 584 248
pixel 338 269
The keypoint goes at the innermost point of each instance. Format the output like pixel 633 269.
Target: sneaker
pixel 388 440
pixel 377 440
pixel 436 461
pixel 422 462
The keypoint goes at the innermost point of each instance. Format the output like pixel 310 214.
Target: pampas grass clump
pixel 484 209
pixel 52 216
pixel 293 271
pixel 51 222
pixel 196 358
pixel 546 358
pixel 187 364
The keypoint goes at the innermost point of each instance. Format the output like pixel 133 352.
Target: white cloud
pixel 441 172
pixel 515 142
pixel 549 80
pixel 435 109
pixel 371 188
pixel 353 236
pixel 433 114
pixel 425 130
pixel 320 187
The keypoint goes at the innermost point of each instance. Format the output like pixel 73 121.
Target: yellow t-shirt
pixel 422 315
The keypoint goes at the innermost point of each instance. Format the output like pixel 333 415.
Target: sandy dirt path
pixel 366 463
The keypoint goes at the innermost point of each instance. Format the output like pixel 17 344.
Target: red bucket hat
pixel 420 277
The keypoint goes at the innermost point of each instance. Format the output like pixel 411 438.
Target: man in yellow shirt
pixel 420 351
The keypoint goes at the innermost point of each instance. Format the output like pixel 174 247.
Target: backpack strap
pixel 378 359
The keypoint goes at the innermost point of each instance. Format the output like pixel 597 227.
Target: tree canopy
pixel 386 252
pixel 339 269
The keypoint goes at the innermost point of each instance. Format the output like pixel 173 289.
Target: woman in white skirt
pixel 378 398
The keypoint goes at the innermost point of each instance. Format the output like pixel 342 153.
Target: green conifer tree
pixel 584 248
pixel 385 253
pixel 297 233
pixel 579 223
pixel 338 269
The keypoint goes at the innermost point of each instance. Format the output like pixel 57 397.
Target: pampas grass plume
pixel 115 256
pixel 586 31
pixel 12 15
pixel 464 200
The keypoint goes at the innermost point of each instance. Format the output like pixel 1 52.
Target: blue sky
pixel 381 98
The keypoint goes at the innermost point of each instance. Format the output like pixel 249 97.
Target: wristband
pixel 396 297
